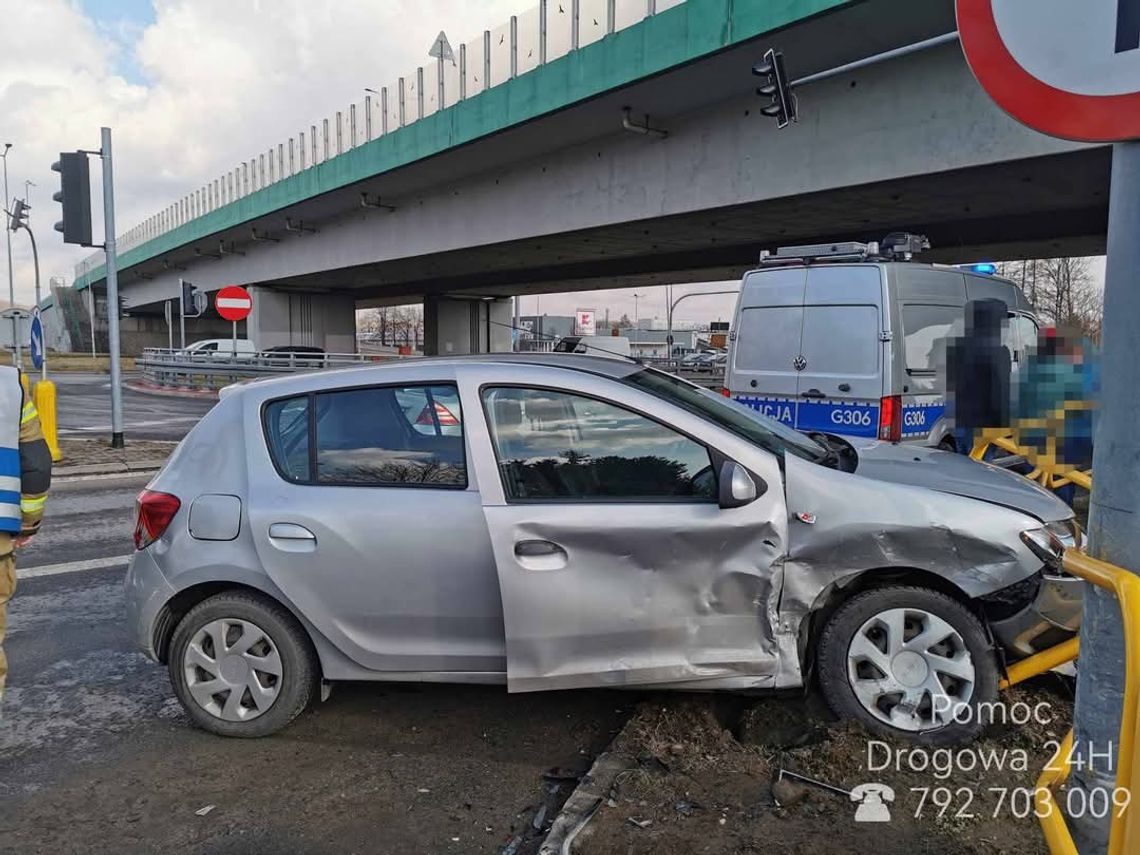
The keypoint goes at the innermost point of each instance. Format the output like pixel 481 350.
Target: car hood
pixel 947 472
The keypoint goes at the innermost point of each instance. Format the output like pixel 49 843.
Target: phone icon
pixel 872 800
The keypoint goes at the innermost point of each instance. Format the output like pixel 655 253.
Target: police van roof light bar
pixel 897 246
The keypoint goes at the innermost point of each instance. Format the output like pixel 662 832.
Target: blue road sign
pixel 37 339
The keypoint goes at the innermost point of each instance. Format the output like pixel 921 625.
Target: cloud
pixel 223 80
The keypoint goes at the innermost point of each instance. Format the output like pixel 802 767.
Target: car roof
pixel 605 366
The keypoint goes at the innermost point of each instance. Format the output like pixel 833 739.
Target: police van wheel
pixel 242 665
pixel 909 662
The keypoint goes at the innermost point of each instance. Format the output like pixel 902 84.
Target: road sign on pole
pixel 233 303
pixel 1067 69
pixel 36 339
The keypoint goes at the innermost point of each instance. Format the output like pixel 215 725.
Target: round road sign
pixel 233 303
pixel 1067 69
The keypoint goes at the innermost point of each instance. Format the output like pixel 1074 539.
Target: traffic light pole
pixel 11 279
pixel 1113 510
pixel 112 289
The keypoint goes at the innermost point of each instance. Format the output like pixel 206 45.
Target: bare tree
pixel 1063 290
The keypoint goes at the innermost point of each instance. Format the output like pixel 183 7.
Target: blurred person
pixel 25 476
pixel 978 374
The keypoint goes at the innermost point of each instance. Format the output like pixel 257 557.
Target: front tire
pixel 242 665
pixel 910 663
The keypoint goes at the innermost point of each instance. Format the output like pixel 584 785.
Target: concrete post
pixel 1114 535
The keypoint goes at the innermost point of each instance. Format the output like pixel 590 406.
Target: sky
pixel 192 87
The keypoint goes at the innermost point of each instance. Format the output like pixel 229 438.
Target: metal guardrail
pixel 1124 835
pixel 180 369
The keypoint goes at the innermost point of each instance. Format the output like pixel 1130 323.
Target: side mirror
pixel 736 486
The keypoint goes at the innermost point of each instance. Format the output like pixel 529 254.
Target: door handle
pixel 536 548
pixel 290 531
pixel 811 393
pixel 844 387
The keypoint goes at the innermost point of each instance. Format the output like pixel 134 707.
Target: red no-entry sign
pixel 1067 68
pixel 233 303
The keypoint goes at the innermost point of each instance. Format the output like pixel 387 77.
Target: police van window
pixel 841 340
pixel 769 338
pixel 925 329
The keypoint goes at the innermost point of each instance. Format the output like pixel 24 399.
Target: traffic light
pixel 75 196
pixel 783 106
pixel 193 301
pixel 19 215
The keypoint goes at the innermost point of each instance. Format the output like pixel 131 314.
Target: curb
pixel 125 467
pixel 590 794
pixel 170 392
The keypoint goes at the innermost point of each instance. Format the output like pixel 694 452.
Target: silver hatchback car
pixel 553 521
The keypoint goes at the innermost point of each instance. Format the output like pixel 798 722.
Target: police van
pixel 848 338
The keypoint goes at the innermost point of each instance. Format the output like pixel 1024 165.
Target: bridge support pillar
pixel 457 326
pixel 327 321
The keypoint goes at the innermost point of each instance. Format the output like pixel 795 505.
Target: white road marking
pixel 133 425
pixel 69 567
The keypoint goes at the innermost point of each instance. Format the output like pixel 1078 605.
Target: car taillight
pixel 155 511
pixel 724 391
pixel 445 416
pixel 890 418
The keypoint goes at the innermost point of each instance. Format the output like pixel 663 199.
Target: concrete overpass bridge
pixel 542 182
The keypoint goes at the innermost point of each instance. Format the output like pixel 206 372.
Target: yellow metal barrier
pixel 1125 833
pixel 1048 471
pixel 44 398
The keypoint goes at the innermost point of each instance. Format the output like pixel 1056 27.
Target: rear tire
pixel 909 663
pixel 242 665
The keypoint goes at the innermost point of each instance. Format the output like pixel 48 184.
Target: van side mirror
pixel 736 486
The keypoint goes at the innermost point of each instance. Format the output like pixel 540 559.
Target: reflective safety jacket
pixel 25 460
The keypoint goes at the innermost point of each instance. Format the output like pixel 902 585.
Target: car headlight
pixel 1046 545
pixel 1066 531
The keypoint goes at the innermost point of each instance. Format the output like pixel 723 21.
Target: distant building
pixel 653 344
pixel 540 332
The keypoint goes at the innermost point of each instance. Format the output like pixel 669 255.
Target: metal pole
pixel 368 118
pixel 169 326
pixel 514 46
pixel 875 59
pixel 515 325
pixel 486 59
pixel 233 348
pixel 651 7
pixel 542 32
pixel 11 279
pixel 112 290
pixel 462 72
pixel 36 264
pixel 673 305
pixel 182 314
pixel 1113 533
pixel 383 109
pixel 575 14
pixel 611 16
pixel 91 312
pixel 402 101
pixel 420 92
pixel 439 71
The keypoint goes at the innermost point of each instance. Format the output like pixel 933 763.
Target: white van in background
pixel 221 348
pixel 847 338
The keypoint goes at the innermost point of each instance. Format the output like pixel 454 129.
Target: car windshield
pixel 767 433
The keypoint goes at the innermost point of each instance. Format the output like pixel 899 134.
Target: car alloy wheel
pixel 910 669
pixel 232 669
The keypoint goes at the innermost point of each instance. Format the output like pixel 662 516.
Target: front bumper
pixel 146 592
pixel 1052 615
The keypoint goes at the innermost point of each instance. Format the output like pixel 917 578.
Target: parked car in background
pixel 554 521
pixel 594 345
pixel 241 349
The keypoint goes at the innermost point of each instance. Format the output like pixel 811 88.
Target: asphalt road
pixel 84 407
pixel 97 756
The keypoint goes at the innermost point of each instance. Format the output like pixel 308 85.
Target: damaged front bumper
pixel 1036 613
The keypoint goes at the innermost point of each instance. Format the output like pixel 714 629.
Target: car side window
pixel 379 436
pixel 554 445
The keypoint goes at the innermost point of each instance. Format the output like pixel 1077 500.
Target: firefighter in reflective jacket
pixel 25 475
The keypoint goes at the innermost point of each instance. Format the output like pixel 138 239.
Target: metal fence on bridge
pixel 180 369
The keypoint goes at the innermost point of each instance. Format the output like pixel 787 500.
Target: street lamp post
pixel 673 305
pixel 11 279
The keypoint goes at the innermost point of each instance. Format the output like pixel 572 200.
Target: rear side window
pixel 925 329
pixel 381 436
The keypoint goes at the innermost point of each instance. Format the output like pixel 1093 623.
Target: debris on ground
pixel 202 811
pixel 715 774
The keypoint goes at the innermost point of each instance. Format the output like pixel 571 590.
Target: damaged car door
pixel 630 551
